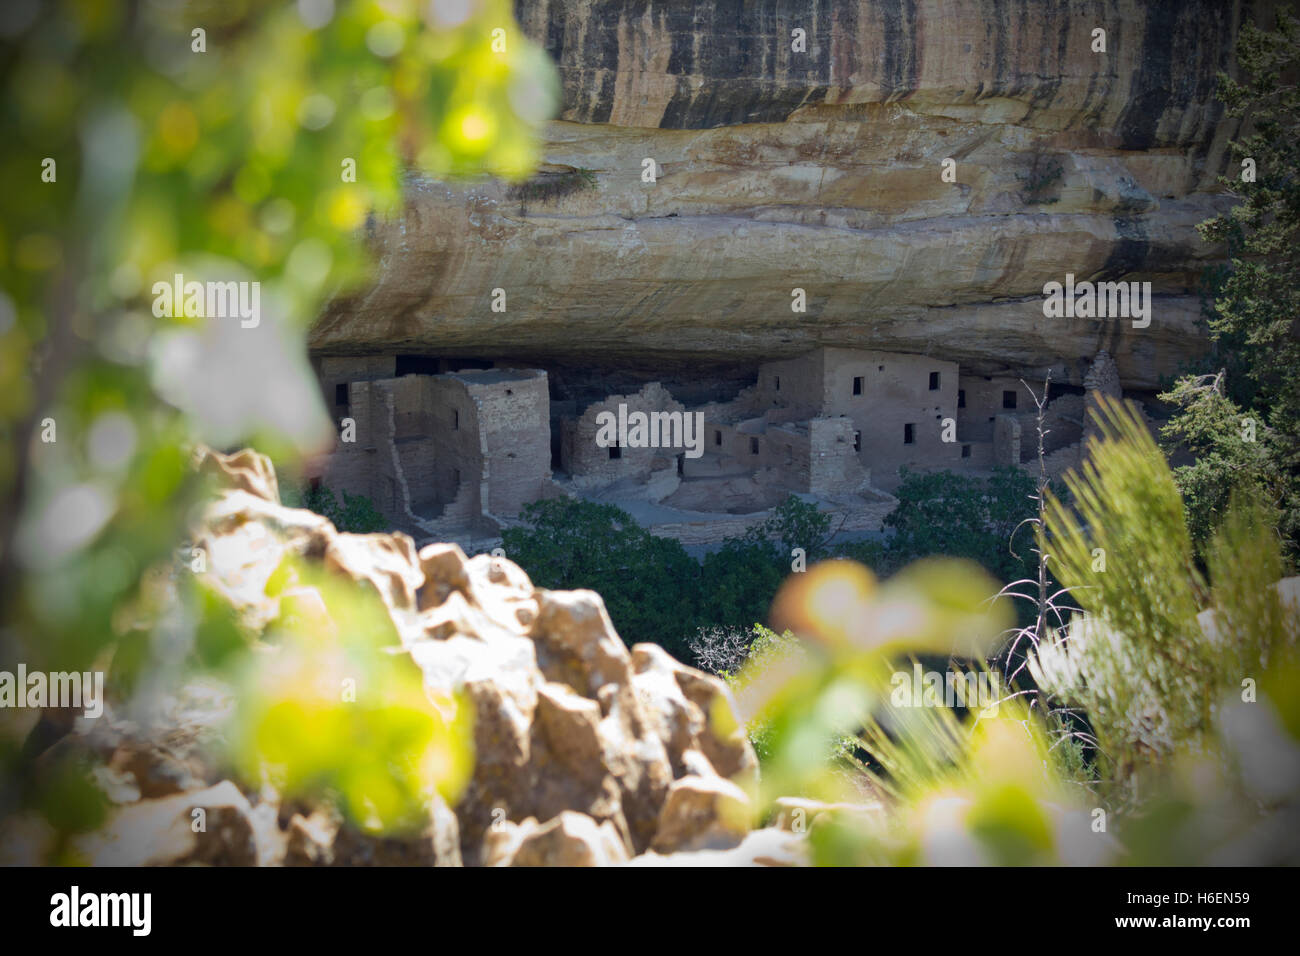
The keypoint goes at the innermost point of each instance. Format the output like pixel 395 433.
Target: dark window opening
pixel 510 391
pixel 681 465
pixel 880 368
pixel 1009 399
pixel 909 434
pixel 965 451
pixel 472 365
pixel 857 385
pixel 314 484
pixel 615 452
pixel 1056 389
pixel 857 441
pixel 934 381
pixel 415 365
pixel 455 420
pixel 961 398
pixel 341 394
pixel 753 446
pixel 776 383
pixel 717 438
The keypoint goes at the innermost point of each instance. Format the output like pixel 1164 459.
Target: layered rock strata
pixel 823 170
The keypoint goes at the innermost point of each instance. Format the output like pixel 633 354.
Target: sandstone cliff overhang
pixel 821 170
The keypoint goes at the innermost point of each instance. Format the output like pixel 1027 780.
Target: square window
pixel 909 434
pixel 1009 399
pixel 961 398
pixel 857 384
pixel 615 452
pixel 341 393
pixel 934 381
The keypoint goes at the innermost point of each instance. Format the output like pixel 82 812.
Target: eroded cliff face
pixel 821 170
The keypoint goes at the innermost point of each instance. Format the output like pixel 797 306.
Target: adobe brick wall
pixel 472 448
pixel 895 392
pixel 1007 437
pixel 834 467
pixel 512 410
pixel 358 467
pixel 335 370
pixel 984 403
pixel 437 450
pixel 591 466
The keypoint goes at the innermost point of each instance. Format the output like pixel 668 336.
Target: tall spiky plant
pixel 1142 661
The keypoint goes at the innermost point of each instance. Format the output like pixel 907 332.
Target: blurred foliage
pixel 1191 767
pixel 808 694
pixel 744 655
pixel 331 683
pixel 986 792
pixel 1137 595
pixel 230 142
pixel 739 580
pixel 1143 663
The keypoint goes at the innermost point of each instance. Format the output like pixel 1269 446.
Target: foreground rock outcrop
pixel 821 170
pixel 585 753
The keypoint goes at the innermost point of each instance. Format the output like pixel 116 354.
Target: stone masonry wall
pixel 895 392
pixel 590 464
pixel 514 422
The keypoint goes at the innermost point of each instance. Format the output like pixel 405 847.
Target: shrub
pixel 957 516
pixel 357 514
pixel 650 585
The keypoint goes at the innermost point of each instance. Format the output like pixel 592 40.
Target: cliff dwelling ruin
pixel 455 448
pixel 920 216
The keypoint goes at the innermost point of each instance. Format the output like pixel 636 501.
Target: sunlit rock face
pixel 822 170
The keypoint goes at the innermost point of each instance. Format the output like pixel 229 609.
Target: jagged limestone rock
pixel 606 750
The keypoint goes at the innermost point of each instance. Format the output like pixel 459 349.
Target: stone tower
pixel 1102 379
